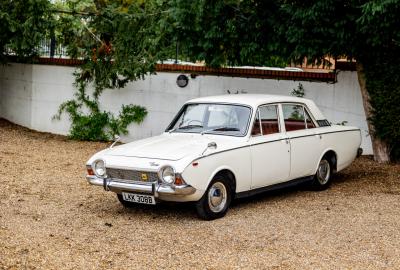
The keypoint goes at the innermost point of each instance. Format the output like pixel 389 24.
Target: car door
pixel 305 143
pixel 270 151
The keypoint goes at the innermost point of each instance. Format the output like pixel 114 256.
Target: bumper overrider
pixel 153 188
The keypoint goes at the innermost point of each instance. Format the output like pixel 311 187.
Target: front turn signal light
pixel 90 171
pixel 179 180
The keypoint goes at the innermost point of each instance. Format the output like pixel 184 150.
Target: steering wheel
pixel 194 120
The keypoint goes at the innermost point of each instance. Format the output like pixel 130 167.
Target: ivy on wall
pixel 97 125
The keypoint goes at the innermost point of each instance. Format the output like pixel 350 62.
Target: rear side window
pixel 294 117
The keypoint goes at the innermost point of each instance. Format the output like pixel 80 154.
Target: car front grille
pixel 132 175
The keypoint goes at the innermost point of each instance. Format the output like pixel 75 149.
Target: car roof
pixel 255 100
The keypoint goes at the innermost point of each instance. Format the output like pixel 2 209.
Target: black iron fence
pixel 50 48
pixel 46 48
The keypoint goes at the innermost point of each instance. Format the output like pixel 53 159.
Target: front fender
pixel 201 171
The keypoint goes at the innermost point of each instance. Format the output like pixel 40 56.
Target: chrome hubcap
pixel 323 172
pixel 217 197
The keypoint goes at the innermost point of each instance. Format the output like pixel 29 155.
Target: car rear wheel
pixel 216 200
pixel 322 178
pixel 125 203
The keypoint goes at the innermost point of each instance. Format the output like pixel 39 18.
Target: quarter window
pixel 309 121
pixel 266 121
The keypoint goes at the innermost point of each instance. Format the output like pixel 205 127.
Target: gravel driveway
pixel 50 218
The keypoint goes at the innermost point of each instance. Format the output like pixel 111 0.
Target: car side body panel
pixel 342 140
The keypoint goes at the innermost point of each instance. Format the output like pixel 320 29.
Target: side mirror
pixel 211 145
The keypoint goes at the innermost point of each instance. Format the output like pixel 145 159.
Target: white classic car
pixel 220 148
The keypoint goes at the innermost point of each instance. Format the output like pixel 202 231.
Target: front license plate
pixel 138 198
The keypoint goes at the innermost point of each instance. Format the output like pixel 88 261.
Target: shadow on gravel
pixel 266 196
pixel 186 211
pixel 162 210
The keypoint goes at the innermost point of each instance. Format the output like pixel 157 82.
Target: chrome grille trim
pixel 130 176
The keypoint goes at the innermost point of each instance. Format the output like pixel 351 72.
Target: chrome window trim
pixel 259 121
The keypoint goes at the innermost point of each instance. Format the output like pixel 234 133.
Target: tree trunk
pixel 380 148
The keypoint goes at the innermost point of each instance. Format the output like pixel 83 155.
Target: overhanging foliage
pixel 121 40
pixel 23 24
pixel 117 43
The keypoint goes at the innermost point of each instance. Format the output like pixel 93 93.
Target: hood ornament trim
pixel 154 164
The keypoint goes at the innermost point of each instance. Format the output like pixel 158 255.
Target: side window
pixel 269 119
pixel 266 121
pixel 294 117
pixel 310 123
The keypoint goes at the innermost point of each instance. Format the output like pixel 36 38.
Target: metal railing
pixel 50 48
pixel 46 48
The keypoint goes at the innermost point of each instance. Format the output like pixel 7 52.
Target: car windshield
pixel 219 119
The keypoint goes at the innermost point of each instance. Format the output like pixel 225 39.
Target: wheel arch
pixel 332 157
pixel 227 172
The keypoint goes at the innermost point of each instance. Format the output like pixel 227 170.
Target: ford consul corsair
pixel 220 148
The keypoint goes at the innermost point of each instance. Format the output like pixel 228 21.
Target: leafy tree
pixel 122 40
pixel 238 32
pixel 96 32
pixel 118 41
pixel 24 23
pixel 230 32
pixel 368 31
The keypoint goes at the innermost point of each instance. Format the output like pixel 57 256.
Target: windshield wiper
pixel 190 126
pixel 186 127
pixel 221 129
pixel 226 129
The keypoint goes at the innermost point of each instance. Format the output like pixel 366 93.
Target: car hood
pixel 166 146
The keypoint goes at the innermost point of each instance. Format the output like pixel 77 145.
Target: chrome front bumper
pixel 156 189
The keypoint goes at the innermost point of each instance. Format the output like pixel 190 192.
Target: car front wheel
pixel 216 200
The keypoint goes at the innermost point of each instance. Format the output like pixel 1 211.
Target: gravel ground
pixel 50 218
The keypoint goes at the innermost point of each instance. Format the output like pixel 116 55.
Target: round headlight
pixel 99 168
pixel 168 174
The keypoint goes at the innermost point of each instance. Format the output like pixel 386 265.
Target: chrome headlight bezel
pixel 167 174
pixel 99 168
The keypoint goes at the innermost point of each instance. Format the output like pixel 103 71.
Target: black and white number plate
pixel 138 198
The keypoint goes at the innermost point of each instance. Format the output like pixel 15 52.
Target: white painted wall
pixel 30 96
